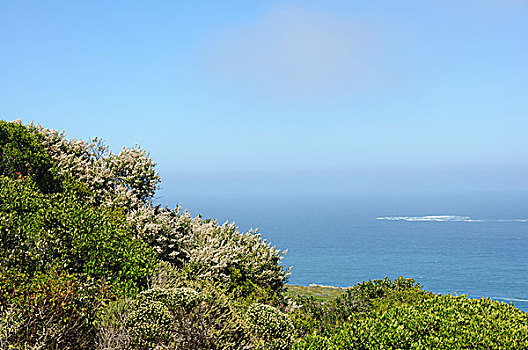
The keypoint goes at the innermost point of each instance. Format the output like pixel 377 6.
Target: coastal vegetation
pixel 88 261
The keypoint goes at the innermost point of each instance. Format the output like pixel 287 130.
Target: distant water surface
pixel 474 244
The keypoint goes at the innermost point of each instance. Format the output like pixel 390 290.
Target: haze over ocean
pixel 474 244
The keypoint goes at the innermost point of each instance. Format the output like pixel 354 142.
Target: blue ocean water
pixel 474 244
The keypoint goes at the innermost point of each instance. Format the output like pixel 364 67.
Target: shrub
pixel 272 328
pixel 244 263
pixel 127 180
pixel 175 318
pixel 323 317
pixel 38 231
pixel 22 154
pixel 399 315
pixel 75 209
pixel 51 310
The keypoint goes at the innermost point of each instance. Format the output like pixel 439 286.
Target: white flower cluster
pixel 216 251
pixel 210 250
pixel 127 179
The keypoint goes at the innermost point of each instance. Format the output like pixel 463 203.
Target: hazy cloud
pixel 290 51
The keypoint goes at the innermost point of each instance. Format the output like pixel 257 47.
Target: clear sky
pixel 282 96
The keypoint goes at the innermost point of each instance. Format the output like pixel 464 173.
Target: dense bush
pixel 175 318
pixel 62 254
pixel 272 327
pixel 61 260
pixel 441 322
pixel 399 315
pixel 39 231
pixel 52 310
pixel 318 317
pixel 22 154
pixel 127 181
pixel 78 229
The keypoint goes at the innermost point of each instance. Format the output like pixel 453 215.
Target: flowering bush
pixel 243 263
pixel 224 254
pixel 128 181
pixel 77 210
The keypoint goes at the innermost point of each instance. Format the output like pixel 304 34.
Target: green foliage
pixel 22 154
pixel 38 231
pixel 323 317
pixel 318 292
pixel 382 293
pixel 386 314
pixel 61 259
pixel 272 327
pixel 51 310
pixel 175 318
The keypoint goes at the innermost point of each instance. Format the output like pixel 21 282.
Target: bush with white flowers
pixel 128 181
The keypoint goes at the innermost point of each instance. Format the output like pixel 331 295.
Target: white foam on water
pixel 443 218
pixel 435 218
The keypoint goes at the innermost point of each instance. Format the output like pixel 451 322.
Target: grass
pixel 318 292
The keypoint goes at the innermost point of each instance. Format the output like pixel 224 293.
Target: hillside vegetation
pixel 87 261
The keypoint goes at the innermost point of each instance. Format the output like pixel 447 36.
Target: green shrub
pixel 37 231
pixel 243 263
pixel 22 154
pixel 399 315
pixel 126 182
pixel 51 310
pixel 323 317
pixel 272 328
pixel 175 318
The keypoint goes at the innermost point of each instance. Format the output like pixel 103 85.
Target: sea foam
pixel 444 218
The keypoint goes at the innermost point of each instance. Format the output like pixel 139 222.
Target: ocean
pixel 473 244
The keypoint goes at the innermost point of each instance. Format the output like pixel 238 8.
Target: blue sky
pixel 282 96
